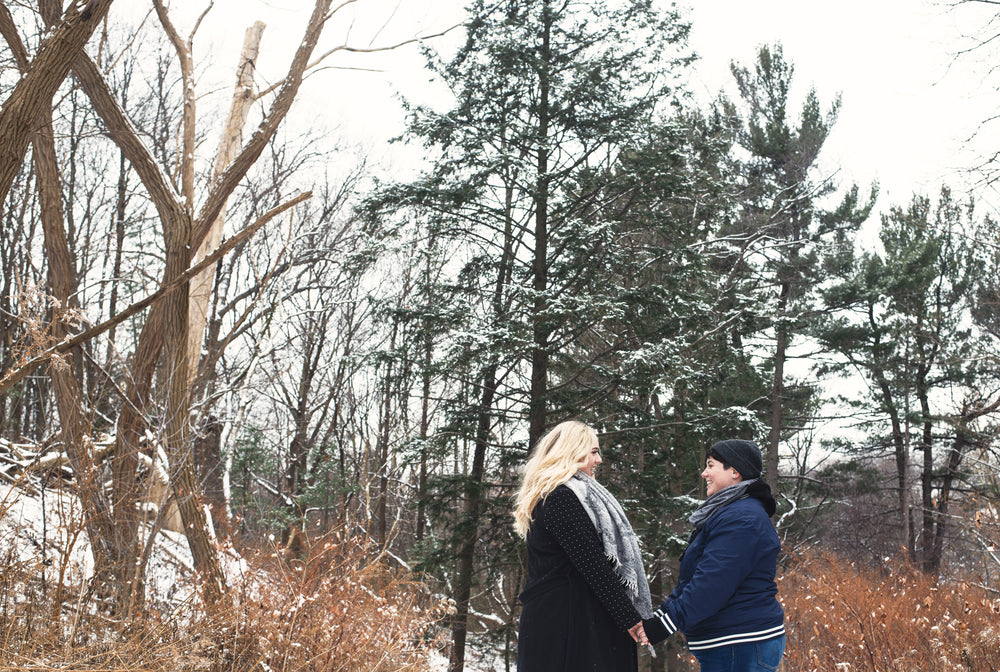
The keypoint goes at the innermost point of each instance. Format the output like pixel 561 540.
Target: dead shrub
pixel 842 618
pixel 342 607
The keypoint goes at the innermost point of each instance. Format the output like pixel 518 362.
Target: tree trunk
pixel 165 326
pixel 108 548
pixel 131 418
pixel 75 428
pixel 116 269
pixel 471 512
pixel 901 451
pixel 299 447
pixel 540 322
pixel 382 445
pixel 32 95
pixel 232 140
pixel 425 403
pixel 927 483
pixel 178 444
pixel 474 499
pixel 963 440
pixel 210 467
pixel 777 390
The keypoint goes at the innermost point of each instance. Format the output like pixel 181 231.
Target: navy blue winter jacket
pixel 726 593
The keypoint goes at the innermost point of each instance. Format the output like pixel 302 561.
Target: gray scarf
pixel 621 546
pixel 717 501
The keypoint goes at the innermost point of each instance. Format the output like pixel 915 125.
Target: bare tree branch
pixel 18 374
pixel 230 177
pixel 34 91
pixel 362 50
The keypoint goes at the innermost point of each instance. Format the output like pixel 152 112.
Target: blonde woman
pixel 586 592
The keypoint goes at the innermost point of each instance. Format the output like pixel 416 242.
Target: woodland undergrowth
pixel 338 606
pixel 843 618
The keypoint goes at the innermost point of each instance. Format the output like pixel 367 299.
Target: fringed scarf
pixel 621 546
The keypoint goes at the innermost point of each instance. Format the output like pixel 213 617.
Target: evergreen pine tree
pixel 902 323
pixel 545 96
pixel 783 238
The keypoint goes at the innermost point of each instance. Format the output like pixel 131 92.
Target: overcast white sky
pixel 908 106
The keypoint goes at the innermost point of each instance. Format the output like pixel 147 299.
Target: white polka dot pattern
pixel 564 517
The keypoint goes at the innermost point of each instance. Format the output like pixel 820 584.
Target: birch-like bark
pixel 166 325
pixel 232 140
pixel 181 235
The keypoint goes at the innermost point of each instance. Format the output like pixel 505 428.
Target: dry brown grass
pixel 841 618
pixel 341 607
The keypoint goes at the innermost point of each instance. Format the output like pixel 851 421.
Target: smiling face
pixel 592 460
pixel 718 476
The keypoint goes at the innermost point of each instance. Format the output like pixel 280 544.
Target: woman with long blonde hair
pixel 586 593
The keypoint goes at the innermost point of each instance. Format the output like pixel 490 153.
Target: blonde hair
pixel 556 457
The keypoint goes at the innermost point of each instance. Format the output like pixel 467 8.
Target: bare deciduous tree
pixel 32 95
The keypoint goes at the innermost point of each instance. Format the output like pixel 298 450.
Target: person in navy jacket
pixel 725 602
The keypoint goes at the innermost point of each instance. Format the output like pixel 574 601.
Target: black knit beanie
pixel 743 456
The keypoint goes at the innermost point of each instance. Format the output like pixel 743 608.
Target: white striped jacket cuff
pixel 664 618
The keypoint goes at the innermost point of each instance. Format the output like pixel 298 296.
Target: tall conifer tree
pixel 784 238
pixel 901 322
pixel 544 92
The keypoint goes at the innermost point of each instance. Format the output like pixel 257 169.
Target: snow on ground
pixel 474 662
pixel 41 529
pixel 36 531
pixel 44 541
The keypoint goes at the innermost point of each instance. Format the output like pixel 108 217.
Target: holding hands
pixel 638 634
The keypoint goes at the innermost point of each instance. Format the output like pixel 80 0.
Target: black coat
pixel 576 612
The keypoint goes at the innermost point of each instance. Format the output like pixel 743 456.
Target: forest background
pixel 221 319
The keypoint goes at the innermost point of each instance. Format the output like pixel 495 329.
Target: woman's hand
pixel 638 634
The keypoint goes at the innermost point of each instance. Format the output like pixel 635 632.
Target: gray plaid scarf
pixel 621 546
